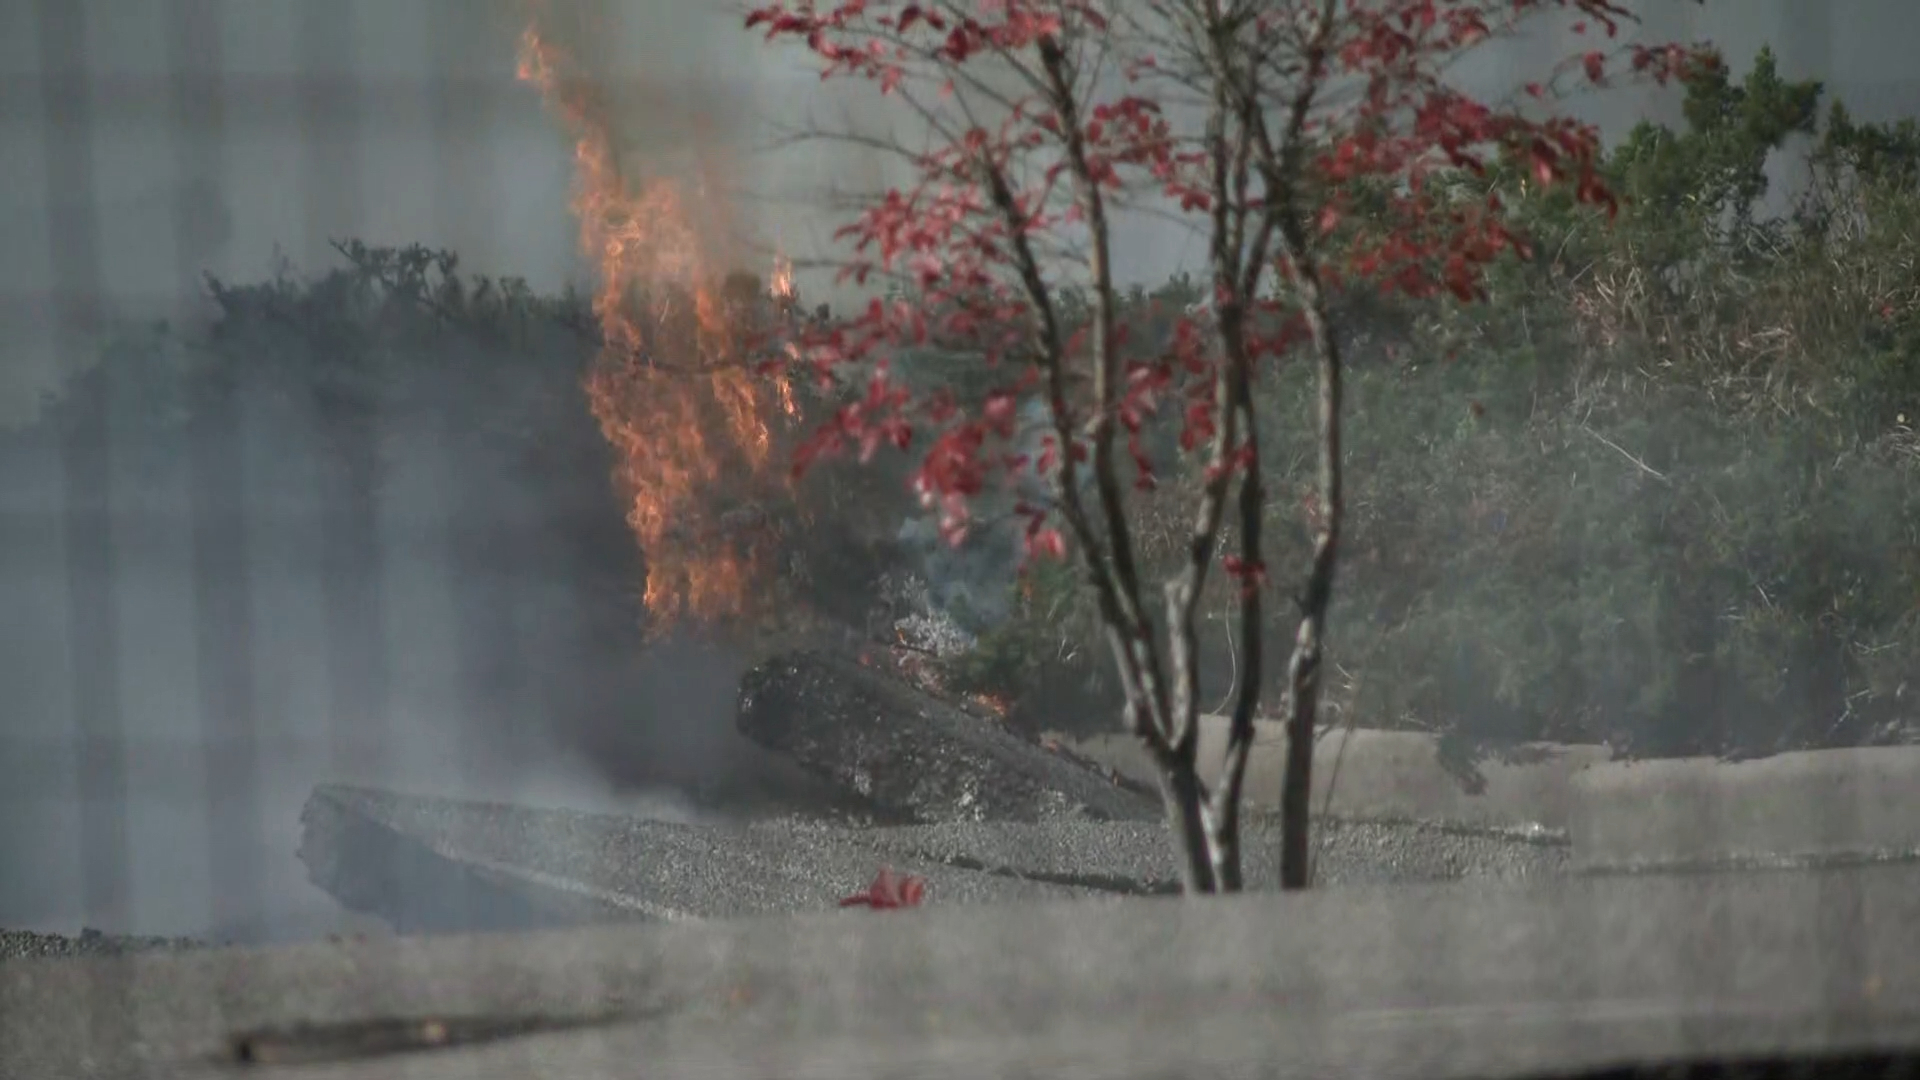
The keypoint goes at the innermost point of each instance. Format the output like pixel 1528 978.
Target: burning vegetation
pixel 675 388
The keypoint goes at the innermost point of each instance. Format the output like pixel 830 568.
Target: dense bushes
pixel 338 375
pixel 1664 489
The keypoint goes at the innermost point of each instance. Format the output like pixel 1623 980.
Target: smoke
pixel 971 583
pixel 484 677
pixel 454 638
pixel 502 674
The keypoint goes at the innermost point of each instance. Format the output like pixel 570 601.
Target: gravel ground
pixel 667 869
pixel 658 868
pixel 786 865
pixel 790 864
pixel 1358 852
pixel 28 945
pixel 1137 857
pixel 1009 821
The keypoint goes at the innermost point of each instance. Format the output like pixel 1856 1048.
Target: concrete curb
pixel 1814 806
pixel 1378 775
pixel 1455 980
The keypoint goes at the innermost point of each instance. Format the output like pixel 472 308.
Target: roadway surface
pixel 1462 979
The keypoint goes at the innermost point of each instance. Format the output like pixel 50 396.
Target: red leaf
pixel 889 890
pixel 999 412
pixel 951 232
pixel 1045 543
pixel 1544 168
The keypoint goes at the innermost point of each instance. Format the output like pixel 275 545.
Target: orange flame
pixel 998 704
pixel 670 388
pixel 780 284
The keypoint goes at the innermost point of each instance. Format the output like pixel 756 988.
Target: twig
pixel 1326 801
pixel 1644 467
pixel 909 646
pixel 1233 658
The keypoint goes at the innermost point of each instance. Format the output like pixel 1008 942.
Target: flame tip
pixel 642 237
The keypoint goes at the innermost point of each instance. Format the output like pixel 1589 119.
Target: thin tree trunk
pixel 1181 791
pixel 1228 854
pixel 1303 669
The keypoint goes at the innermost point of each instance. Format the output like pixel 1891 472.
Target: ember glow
pixel 780 284
pixel 672 388
pixel 997 704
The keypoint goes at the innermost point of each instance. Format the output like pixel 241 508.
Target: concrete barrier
pixel 1807 807
pixel 1377 775
pixel 1571 977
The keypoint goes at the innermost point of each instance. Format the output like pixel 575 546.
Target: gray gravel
pixel 1363 852
pixel 29 945
pixel 1137 856
pixel 383 852
pixel 363 846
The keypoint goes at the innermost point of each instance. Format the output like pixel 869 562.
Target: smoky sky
pixel 399 121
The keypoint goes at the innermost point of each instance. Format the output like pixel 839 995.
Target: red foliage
pixel 890 890
pixel 988 191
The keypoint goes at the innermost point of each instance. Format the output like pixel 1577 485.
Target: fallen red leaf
pixel 890 890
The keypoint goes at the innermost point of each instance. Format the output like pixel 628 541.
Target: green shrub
pixel 1663 489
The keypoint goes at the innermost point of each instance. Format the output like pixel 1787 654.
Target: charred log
pixel 914 756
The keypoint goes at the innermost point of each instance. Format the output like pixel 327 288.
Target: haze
pixel 399 121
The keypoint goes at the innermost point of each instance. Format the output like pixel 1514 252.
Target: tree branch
pixel 1106 379
pixel 1172 748
pixel 1300 697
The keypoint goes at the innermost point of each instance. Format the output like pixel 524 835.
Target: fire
pixel 672 388
pixel 780 283
pixel 997 704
